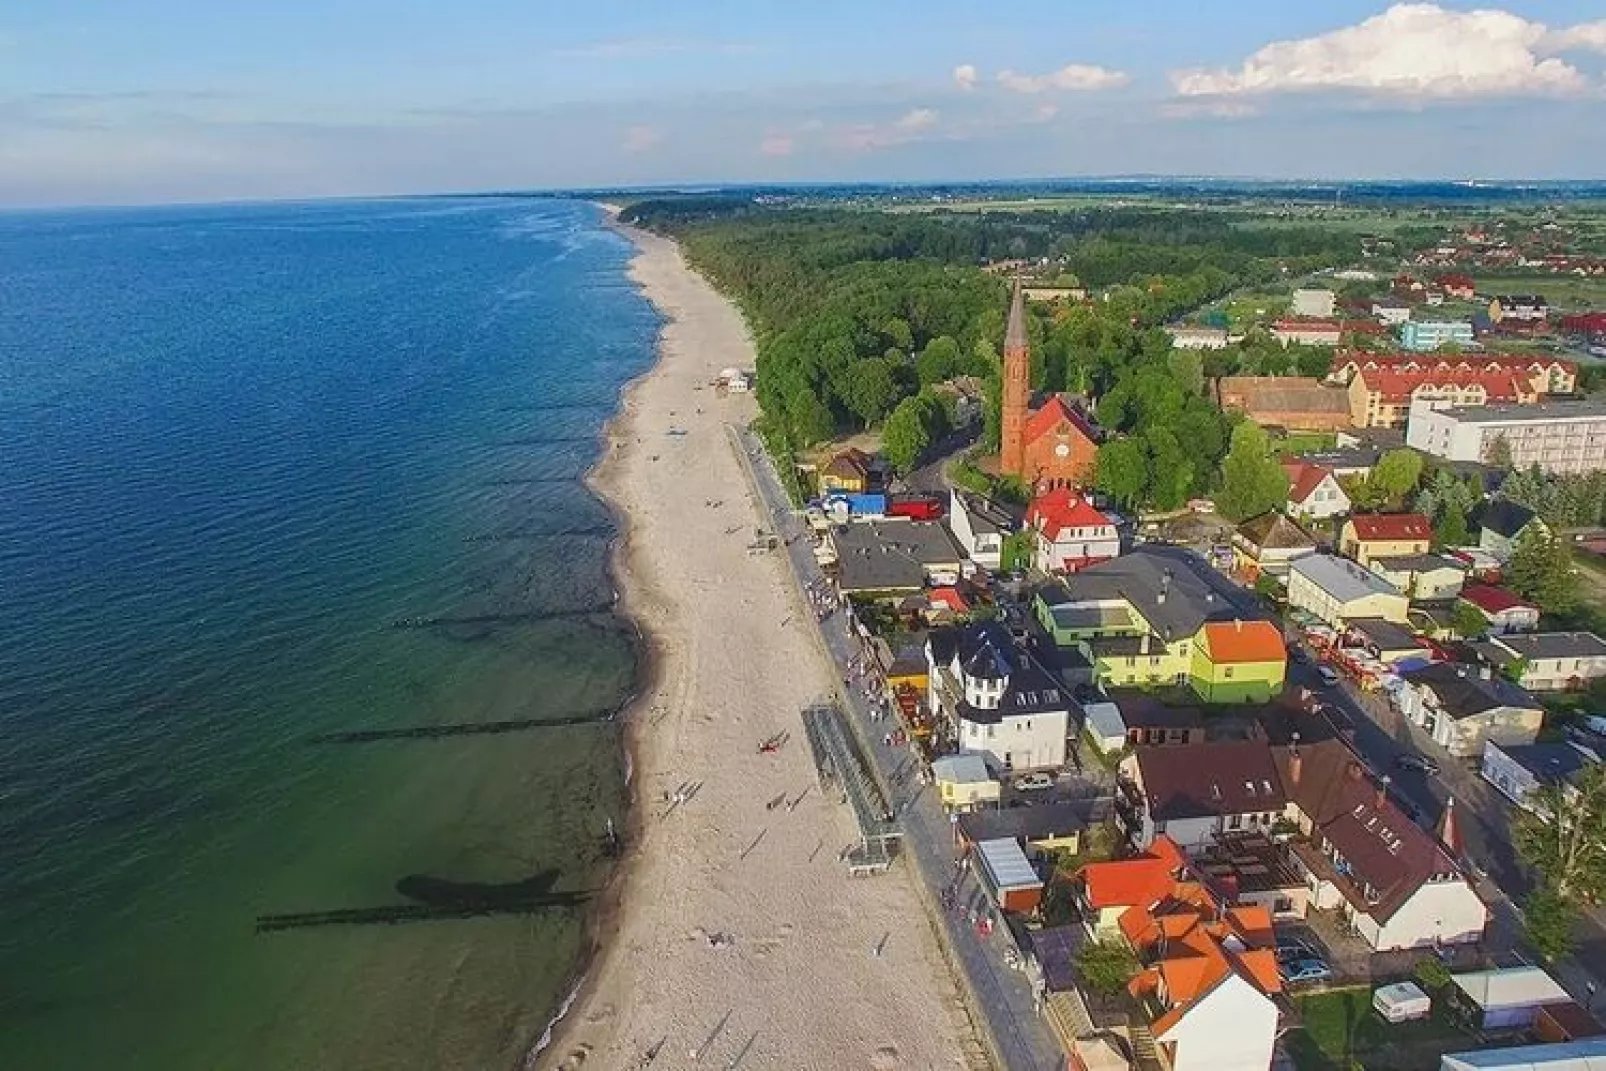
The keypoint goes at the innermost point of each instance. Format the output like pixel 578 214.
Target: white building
pixel 997 701
pixel 1391 313
pixel 1314 492
pixel 1559 437
pixel 1550 661
pixel 1233 1027
pixel 1338 591
pixel 1462 706
pixel 1071 534
pixel 1185 337
pixel 1519 770
pixel 980 525
pixel 1422 336
pixel 1315 304
pixel 1423 577
pixel 1194 792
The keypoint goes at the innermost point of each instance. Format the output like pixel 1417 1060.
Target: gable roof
pixel 891 554
pixel 1382 847
pixel 1037 822
pixel 1244 641
pixel 1048 417
pixel 1542 645
pixel 1206 780
pixel 1391 527
pixel 1463 691
pixel 1493 600
pixel 1341 578
pixel 1503 517
pixel 1138 881
pixel 1275 530
pixel 1062 508
pixel 1397 386
pixel 851 462
pixel 1303 479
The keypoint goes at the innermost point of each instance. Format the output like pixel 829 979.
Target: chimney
pixel 1382 791
pixel 1449 835
pixel 1353 771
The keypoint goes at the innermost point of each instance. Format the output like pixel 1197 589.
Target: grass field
pixel 1340 1031
pixel 1569 293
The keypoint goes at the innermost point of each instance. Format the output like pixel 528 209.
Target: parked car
pixel 1035 782
pixel 1329 676
pixel 1306 970
pixel 1420 763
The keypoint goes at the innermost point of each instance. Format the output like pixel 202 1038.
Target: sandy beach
pixel 738 940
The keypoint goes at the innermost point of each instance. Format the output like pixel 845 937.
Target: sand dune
pixel 740 940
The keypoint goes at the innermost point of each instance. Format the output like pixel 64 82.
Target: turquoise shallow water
pixel 238 447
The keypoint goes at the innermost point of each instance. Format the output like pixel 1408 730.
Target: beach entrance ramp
pixel 842 770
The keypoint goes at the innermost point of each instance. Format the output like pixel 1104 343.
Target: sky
pixel 151 101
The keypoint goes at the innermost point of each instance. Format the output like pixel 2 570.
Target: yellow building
pixel 1339 591
pixel 1239 662
pixel 963 783
pixel 1384 535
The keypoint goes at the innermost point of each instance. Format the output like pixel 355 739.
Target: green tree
pixel 870 388
pixel 1499 454
pixel 1548 921
pixel 1018 549
pixel 1105 967
pixel 1468 621
pixel 940 360
pixel 1121 471
pixel 1252 480
pixel 1559 837
pixel 907 433
pixel 1188 368
pixel 1431 975
pixel 1395 475
pixel 1451 529
pixel 1541 569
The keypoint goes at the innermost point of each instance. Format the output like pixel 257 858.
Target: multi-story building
pixel 1391 313
pixel 1287 401
pixel 1384 535
pixel 1187 337
pixel 1524 308
pixel 1461 706
pixel 1307 332
pixel 1338 591
pixel 1421 336
pixel 1559 436
pixel 1546 375
pixel 996 700
pixel 1382 398
pixel 1070 533
pixel 1549 661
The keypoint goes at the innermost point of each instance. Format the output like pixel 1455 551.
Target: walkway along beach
pixel 738 938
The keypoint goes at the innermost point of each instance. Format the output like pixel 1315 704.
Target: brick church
pixel 1049 447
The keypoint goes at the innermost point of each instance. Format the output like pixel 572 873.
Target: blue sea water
pixel 270 475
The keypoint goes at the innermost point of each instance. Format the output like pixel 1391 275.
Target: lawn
pixel 1568 293
pixel 1306 442
pixel 1340 1031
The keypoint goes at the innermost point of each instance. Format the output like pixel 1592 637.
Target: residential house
pixel 1041 827
pixel 1191 794
pixel 1239 662
pixel 996 699
pixel 1458 287
pixel 850 472
pixel 1338 591
pixel 1461 706
pixel 1540 375
pixel 1549 661
pixel 1558 1056
pixel 1103 724
pixel 1241 869
pixel 1307 332
pixel 1422 336
pixel 1520 770
pixel 1287 402
pixel 1385 640
pixel 1136 619
pixel 1393 882
pixel 1505 612
pixel 1070 533
pixel 1313 304
pixel 964 784
pixel 1423 577
pixel 894 556
pixel 1185 337
pixel 1268 545
pixel 1565 437
pixel 1384 535
pixel 980 525
pixel 1347 462
pixel 1106 891
pixel 1150 723
pixel 1008 876
pixel 1313 492
pixel 1523 308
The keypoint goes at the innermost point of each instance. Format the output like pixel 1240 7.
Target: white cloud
pixel 1414 50
pixel 777 145
pixel 1078 77
pixel 917 120
pixel 1585 37
pixel 965 76
pixel 642 139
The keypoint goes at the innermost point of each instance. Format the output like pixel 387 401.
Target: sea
pixel 309 659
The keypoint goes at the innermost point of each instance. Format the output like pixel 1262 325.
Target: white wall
pixel 1328 500
pixel 1026 742
pixel 1449 912
pixel 985 548
pixel 1233 1027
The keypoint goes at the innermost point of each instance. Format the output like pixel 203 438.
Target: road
pixel 1001 999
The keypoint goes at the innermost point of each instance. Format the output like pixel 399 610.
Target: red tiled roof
pixel 1295 324
pixel 1056 409
pixel 1396 386
pixel 950 598
pixel 1139 881
pixel 1303 479
pixel 1244 641
pixel 1391 527
pixel 1493 600
pixel 1062 508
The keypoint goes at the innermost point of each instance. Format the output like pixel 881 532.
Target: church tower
pixel 1017 389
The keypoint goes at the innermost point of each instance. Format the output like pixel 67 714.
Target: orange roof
pixel 1259 965
pixel 1304 478
pixel 1244 641
pixel 1391 527
pixel 1060 509
pixel 1399 386
pixel 950 598
pixel 1054 410
pixel 1253 923
pixel 1136 882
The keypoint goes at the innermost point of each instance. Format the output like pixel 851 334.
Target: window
pixel 1235 821
pixel 1226 673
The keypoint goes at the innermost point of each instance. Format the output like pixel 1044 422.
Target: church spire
pixel 1015 334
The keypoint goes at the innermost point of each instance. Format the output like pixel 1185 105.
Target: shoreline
pixel 723 921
